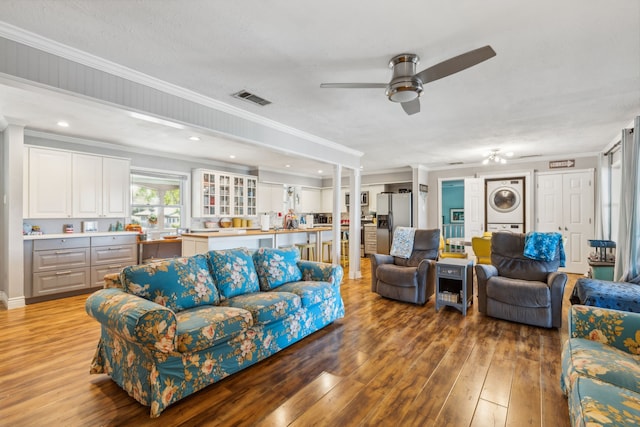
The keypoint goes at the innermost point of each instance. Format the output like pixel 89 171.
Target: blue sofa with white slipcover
pixel 170 328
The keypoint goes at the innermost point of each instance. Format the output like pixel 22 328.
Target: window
pixel 157 201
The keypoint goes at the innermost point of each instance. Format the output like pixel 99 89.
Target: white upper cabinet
pixel 116 187
pixel 87 186
pixel 50 185
pixel 218 194
pixel 62 184
pixel 327 200
pixel 310 200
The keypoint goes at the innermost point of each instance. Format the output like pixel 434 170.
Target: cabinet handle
pixel 60 273
pixel 63 252
pixel 114 266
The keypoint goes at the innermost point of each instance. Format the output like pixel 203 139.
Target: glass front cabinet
pixel 220 194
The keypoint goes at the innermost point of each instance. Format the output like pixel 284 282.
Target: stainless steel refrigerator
pixel 393 210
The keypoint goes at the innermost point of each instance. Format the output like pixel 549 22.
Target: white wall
pixel 514 167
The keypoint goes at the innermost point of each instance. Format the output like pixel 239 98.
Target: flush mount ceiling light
pixel 494 157
pixel 155 120
pixel 63 124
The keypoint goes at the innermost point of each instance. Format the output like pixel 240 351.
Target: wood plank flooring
pixel 386 363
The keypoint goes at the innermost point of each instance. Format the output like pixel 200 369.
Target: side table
pixel 454 283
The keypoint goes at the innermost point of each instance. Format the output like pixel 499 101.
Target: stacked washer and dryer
pixel 505 208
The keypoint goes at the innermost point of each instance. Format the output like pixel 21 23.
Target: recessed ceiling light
pixel 509 154
pixel 287 166
pixel 63 124
pixel 319 170
pixel 194 138
pixel 232 156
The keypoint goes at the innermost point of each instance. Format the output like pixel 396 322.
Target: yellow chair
pixel 482 248
pixel 448 254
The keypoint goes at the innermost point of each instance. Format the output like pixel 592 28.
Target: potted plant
pixel 152 219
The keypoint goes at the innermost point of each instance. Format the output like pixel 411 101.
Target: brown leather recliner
pixel 413 279
pixel 518 288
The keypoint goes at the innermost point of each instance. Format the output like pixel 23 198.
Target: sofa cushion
pixel 584 357
pixel 266 307
pixel 523 293
pixel 202 327
pixel 276 267
pixel 398 275
pixel 595 403
pixel 310 293
pixel 234 272
pixel 178 283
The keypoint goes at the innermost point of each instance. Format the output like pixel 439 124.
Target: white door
pixel 564 204
pixel 549 203
pixel 473 207
pixel 578 222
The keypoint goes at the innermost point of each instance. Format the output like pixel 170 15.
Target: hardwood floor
pixel 386 363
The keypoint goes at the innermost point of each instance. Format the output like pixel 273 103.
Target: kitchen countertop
pixel 242 232
pixel 75 235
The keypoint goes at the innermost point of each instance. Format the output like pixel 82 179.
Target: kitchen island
pixel 229 238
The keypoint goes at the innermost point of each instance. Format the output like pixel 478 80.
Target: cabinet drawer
pixel 60 281
pixel 63 243
pixel 450 271
pixel 98 273
pixel 60 259
pixel 128 239
pixel 103 255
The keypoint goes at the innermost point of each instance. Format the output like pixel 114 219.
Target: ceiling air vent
pixel 529 156
pixel 249 97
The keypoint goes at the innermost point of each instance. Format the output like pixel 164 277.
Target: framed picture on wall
pixel 456 215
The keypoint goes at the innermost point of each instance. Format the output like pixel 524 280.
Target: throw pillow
pixel 276 267
pixel 234 272
pixel 178 283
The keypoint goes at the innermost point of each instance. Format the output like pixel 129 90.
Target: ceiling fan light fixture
pixel 495 157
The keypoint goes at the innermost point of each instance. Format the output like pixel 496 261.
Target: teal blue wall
pixel 452 197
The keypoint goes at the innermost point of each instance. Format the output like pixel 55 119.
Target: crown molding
pixel 36 41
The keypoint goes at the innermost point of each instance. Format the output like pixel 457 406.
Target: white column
pixel 12 193
pixel 354 225
pixel 420 177
pixel 336 233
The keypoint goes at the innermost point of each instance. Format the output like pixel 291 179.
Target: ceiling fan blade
pixel 411 107
pixel 354 85
pixel 455 64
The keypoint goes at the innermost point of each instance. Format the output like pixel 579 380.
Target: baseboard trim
pixel 11 303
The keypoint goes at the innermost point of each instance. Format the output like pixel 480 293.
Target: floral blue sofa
pixel 171 328
pixel 601 367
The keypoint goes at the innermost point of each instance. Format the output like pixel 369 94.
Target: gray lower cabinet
pixel 111 254
pixel 63 265
pixel 60 265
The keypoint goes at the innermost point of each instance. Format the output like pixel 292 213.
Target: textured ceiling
pixel 565 81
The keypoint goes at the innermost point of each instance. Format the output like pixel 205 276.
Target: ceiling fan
pixel 405 86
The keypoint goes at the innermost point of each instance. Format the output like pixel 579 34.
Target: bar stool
pixel 344 252
pixel 310 248
pixel 328 244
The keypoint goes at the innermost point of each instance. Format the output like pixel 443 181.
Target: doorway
pixel 452 209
